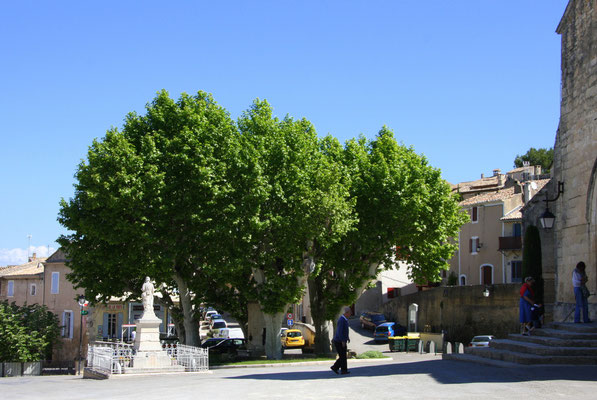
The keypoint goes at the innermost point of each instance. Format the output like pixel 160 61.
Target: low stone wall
pixel 461 311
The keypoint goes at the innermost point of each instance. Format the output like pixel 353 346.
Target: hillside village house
pixel 490 245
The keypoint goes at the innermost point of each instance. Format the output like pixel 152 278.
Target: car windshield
pixel 294 334
pixel 218 325
pixel 378 318
pixel 211 342
pixel 481 339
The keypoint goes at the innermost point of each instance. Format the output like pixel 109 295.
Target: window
pixel 67 324
pixel 517 230
pixel 462 280
pixel 474 214
pixel 33 289
pixel 10 289
pixel 516 270
pixel 55 282
pixel 111 325
pixel 474 245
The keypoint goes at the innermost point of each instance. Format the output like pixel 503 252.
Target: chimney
pixel 526 163
pixel 482 176
pixel 496 172
pixel 33 257
pixel 537 170
pixel 526 192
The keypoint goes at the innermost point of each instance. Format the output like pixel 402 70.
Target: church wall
pixel 575 151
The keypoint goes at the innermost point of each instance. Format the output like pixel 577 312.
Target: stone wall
pixel 575 152
pixel 461 311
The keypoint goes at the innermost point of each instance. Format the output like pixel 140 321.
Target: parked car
pixel 370 320
pixel 215 316
pixel 209 313
pixel 223 345
pixel 292 338
pixel 481 341
pixel 384 331
pixel 218 324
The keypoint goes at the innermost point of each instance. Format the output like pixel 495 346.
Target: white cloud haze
pixel 19 256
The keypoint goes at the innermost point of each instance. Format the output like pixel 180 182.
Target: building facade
pixel 490 245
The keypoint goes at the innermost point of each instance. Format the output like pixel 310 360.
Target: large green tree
pixel 152 200
pixel 401 203
pixel 542 157
pixel 294 202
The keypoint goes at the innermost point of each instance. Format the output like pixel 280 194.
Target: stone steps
pixel 552 341
pixel 556 344
pixel 539 349
pixel 532 359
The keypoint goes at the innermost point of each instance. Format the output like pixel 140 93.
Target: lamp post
pixel 82 304
pixel 547 218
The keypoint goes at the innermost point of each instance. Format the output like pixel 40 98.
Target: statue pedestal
pixel 148 334
pixel 150 355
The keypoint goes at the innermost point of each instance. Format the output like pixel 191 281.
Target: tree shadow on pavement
pixel 443 371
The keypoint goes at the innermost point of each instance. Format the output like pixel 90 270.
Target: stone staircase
pixel 555 344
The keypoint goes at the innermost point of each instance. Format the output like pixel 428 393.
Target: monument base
pixel 148 334
pixel 154 360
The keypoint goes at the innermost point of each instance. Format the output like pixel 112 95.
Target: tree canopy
pixel 152 200
pixel 405 212
pixel 542 157
pixel 249 212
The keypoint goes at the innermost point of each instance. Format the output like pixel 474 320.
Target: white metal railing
pixel 192 358
pixel 115 358
pixel 110 357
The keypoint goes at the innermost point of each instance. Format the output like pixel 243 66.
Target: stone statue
pixel 147 296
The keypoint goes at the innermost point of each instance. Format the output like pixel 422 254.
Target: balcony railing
pixel 510 243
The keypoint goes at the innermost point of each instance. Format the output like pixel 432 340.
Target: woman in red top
pixel 526 302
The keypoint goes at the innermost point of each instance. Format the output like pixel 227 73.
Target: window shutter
pixel 119 326
pixel 72 324
pixel 470 245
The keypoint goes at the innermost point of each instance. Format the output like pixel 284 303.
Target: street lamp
pixel 82 303
pixel 547 218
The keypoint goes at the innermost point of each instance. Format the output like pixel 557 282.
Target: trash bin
pixel 397 343
pixel 412 344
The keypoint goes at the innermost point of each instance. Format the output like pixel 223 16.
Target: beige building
pixel 43 281
pixel 490 245
pixel 23 284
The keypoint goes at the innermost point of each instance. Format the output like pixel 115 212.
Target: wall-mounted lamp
pixel 488 290
pixel 479 246
pixel 547 218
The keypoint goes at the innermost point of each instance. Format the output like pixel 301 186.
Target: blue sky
pixel 470 84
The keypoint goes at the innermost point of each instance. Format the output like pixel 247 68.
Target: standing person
pixel 526 302
pixel 341 342
pixel 579 279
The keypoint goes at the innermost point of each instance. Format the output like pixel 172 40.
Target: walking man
pixel 340 342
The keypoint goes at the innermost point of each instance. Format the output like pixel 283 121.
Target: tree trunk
pixel 191 324
pixel 273 347
pixel 318 312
